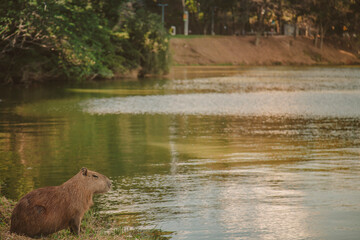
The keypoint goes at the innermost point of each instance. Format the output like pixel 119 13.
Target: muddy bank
pixel 276 50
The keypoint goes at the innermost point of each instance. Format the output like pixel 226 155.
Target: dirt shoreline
pixel 239 50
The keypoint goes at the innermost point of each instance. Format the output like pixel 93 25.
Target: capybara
pixel 51 209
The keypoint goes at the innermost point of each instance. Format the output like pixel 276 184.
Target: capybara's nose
pixel 109 184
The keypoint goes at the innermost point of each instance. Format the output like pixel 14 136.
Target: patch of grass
pixel 93 226
pixel 118 91
pixel 196 36
pixel 188 36
pixel 226 64
pixel 276 63
pixel 313 55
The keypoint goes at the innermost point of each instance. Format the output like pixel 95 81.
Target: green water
pixel 207 153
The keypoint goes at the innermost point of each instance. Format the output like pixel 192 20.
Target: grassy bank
pixel 93 226
pixel 181 36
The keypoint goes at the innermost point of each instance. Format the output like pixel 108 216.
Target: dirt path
pixel 276 50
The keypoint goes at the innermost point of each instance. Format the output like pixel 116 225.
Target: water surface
pixel 210 153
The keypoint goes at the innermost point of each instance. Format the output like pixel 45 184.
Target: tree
pixel 71 40
pixel 297 8
pixel 263 11
pixel 328 14
pixel 244 15
pixel 150 40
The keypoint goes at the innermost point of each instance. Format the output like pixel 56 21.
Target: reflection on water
pixel 252 178
pixel 273 79
pixel 250 153
pixel 336 104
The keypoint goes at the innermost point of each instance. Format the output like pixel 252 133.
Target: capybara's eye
pixel 95 176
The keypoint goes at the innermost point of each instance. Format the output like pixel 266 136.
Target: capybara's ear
pixel 84 171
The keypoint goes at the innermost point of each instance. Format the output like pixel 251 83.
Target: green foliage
pixel 151 41
pixel 314 55
pixel 75 40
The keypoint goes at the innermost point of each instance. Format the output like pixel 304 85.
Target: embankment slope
pixel 239 50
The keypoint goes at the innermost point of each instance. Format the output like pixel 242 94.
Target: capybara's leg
pixel 75 225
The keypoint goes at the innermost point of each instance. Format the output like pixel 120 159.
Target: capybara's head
pixel 94 182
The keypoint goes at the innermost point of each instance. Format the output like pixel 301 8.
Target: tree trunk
pixel 316 37
pixel 260 25
pixel 257 39
pixel 322 35
pixel 233 21
pixel 205 28
pixel 212 22
pixel 295 26
pixel 279 16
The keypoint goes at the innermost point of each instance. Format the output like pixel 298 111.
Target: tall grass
pixel 93 226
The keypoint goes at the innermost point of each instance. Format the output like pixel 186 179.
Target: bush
pixel 76 41
pixel 150 39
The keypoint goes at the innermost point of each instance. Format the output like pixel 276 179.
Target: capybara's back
pixel 51 209
pixel 40 212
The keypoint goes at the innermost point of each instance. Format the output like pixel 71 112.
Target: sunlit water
pixel 211 153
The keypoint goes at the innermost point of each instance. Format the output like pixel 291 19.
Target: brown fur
pixel 51 209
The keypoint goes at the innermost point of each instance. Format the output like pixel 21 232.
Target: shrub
pixel 75 40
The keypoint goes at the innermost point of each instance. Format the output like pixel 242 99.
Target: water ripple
pixel 322 103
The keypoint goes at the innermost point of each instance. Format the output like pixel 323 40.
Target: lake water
pixel 208 153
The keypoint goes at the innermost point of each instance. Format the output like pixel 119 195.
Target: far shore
pixel 241 50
